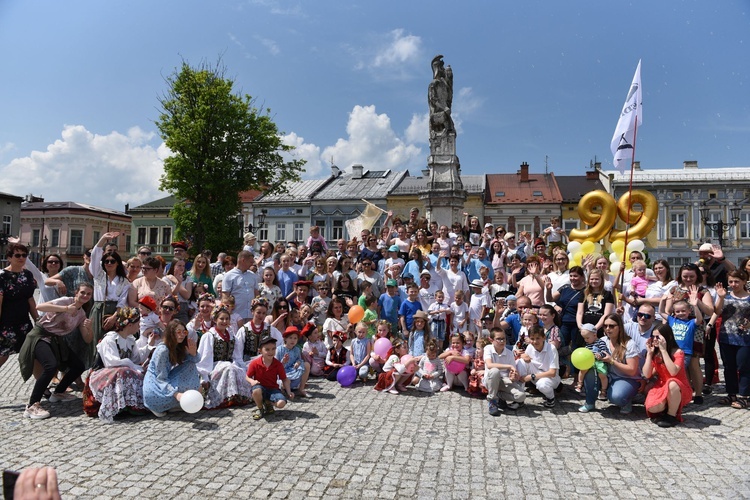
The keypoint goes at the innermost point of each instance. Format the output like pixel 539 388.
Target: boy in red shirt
pixel 263 374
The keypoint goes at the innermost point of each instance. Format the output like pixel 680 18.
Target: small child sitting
pixel 359 352
pixel 263 374
pixel 149 323
pixel 599 348
pixel 314 353
pixel 382 331
pixel 337 356
pixel 452 357
pixel 540 365
pixel 396 374
pixel 296 368
pixel 429 378
pixel 476 388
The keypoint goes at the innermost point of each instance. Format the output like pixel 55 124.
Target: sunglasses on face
pixel 144 253
pixel 609 325
pixel 167 308
pixel 20 255
pixel 644 316
pixel 53 262
pixel 110 261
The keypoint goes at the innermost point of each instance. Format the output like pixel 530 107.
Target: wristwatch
pixel 533 377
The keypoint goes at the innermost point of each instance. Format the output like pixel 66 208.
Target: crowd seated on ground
pixel 410 307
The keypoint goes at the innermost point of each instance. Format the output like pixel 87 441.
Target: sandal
pixel 602 395
pixel 269 408
pixel 259 413
pixel 727 400
pixel 578 388
pixel 741 403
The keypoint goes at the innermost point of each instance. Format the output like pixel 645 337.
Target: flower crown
pixel 218 309
pixel 125 316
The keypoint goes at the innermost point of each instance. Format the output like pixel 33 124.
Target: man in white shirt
pixel 242 283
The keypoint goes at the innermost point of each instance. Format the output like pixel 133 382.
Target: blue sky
pixel 348 81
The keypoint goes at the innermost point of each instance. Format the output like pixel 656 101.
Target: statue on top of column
pixel 440 100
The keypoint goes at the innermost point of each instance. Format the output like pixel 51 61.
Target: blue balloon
pixel 346 375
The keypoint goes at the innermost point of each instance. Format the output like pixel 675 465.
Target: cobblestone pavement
pixel 355 443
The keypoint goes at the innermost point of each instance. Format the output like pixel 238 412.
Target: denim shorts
pixel 272 395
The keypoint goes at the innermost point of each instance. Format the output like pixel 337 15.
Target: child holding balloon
pixel 379 355
pixel 337 357
pixel 395 373
pixel 599 348
pixel 456 359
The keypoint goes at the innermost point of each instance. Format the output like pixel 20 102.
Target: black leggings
pixel 43 353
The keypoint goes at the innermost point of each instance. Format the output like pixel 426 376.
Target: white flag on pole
pixel 623 141
pixel 366 220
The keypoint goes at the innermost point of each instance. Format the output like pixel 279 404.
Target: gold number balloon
pixel 641 221
pixel 601 222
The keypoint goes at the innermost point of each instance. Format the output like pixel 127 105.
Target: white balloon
pixel 191 401
pixel 597 248
pixel 614 269
pixel 636 246
pixel 614 257
pixel 574 246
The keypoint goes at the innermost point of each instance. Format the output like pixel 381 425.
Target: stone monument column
pixel 445 196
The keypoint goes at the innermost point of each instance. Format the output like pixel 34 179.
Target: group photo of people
pixel 412 307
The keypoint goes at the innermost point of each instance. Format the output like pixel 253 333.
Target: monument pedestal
pixel 445 196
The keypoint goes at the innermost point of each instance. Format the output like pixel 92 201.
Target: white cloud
pixel 269 44
pixel 465 103
pixel 418 130
pixel 392 55
pixel 103 170
pixel 401 49
pixel 305 151
pixel 370 141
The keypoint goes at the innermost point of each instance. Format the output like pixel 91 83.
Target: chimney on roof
pixel 597 165
pixel 357 171
pixel 524 172
pixel 335 171
pixel 690 164
pixel 592 175
pixel 636 165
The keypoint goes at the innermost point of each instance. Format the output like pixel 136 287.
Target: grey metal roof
pixel 12 196
pixel 374 184
pixel 473 184
pixel 573 187
pixel 294 191
pixel 166 202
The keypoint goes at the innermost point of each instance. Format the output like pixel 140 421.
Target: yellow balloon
pixel 642 222
pixel 587 247
pixel 578 257
pixel 601 222
pixel 618 247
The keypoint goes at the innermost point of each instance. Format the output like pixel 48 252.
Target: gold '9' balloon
pixel 601 222
pixel 642 222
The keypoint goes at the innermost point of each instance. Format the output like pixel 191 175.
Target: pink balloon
pixel 382 346
pixel 405 359
pixel 455 367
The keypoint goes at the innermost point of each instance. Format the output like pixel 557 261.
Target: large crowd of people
pixel 467 307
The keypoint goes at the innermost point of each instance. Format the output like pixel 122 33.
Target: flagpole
pixel 630 203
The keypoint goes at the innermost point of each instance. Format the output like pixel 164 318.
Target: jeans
pixel 736 358
pixel 43 353
pixel 620 392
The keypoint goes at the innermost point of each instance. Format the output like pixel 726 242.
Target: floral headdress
pixel 218 309
pixel 125 316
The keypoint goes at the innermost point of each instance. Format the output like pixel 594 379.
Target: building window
pixel 678 225
pixel 262 234
pixel 153 235
pixel 537 193
pixel 281 231
pixel 570 224
pixel 55 238
pixel 141 239
pixel 299 228
pixel 321 223
pixel 744 225
pixel 676 262
pixel 166 235
pixel 95 240
pixel 7 224
pixel 128 242
pixel 523 227
pixel 338 230
pixel 76 241
pixel 35 237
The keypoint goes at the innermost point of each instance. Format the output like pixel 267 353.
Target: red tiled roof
pixel 248 196
pixel 516 191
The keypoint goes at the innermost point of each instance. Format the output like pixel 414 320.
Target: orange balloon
pixel 356 313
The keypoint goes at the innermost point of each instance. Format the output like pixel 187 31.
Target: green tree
pixel 221 145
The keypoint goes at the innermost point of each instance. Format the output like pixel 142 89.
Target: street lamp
pixel 719 227
pixel 44 247
pixel 261 218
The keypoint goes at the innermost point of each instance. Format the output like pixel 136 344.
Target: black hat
pixel 267 339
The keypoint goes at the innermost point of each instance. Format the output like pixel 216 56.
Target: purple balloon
pixel 346 375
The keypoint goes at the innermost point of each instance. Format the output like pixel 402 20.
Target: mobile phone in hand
pixel 9 482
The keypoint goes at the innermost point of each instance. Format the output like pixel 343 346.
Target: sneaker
pixel 667 421
pixel 445 388
pixel 586 408
pixel 36 412
pixel 159 414
pixel 393 391
pixel 602 396
pixel 493 409
pixel 697 400
pixel 548 402
pixel 513 405
pixel 56 397
pixel 627 409
pixel 707 389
